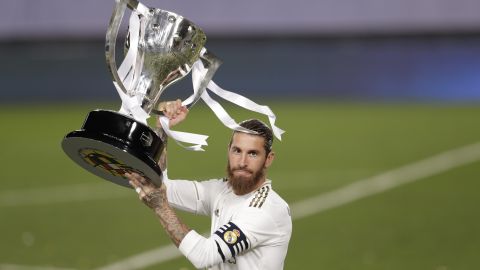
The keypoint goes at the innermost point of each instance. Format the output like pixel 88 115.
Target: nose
pixel 243 162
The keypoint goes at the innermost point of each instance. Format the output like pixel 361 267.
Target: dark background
pixel 421 51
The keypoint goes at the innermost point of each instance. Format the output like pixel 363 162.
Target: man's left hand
pixel 174 111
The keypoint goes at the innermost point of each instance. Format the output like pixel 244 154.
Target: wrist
pixel 155 199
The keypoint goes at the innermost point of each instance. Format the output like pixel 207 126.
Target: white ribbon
pixel 197 139
pixel 198 74
pixel 129 72
pixel 242 102
pixel 223 116
pixel 185 137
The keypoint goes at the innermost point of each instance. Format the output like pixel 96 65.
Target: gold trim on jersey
pixel 260 197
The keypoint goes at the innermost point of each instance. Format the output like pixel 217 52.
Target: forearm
pixel 200 251
pixel 156 199
pixel 172 224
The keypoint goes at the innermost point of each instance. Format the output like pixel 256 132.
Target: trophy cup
pixel 161 48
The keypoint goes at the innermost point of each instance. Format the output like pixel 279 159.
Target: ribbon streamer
pixel 185 137
pixel 198 72
pixel 234 98
pixel 178 136
pixel 129 72
pixel 247 104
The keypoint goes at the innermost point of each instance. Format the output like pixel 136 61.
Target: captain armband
pixel 231 241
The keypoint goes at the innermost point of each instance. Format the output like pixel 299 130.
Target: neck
pixel 259 184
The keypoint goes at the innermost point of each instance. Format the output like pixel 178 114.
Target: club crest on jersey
pixel 230 237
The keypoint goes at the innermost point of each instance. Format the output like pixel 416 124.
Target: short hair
pixel 260 129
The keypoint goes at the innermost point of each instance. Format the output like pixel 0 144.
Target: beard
pixel 242 185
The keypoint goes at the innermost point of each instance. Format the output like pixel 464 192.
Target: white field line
pixel 147 258
pixel 61 194
pixel 25 267
pixel 361 189
pixel 388 180
pixel 90 192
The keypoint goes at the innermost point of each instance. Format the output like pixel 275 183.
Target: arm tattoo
pixel 172 224
pixel 175 228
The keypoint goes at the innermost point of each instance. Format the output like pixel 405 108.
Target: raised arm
pixel 156 199
pixel 176 113
pixel 206 249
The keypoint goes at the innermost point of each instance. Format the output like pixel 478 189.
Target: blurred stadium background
pixel 380 162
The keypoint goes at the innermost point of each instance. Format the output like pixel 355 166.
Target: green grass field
pixel 55 214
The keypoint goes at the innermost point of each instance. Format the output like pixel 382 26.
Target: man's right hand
pixel 174 111
pixel 151 195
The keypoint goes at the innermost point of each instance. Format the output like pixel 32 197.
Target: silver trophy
pixel 161 48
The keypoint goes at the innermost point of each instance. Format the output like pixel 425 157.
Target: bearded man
pixel 251 224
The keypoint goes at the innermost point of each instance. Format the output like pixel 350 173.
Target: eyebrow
pixel 254 151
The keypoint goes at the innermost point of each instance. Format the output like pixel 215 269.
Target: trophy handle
pixel 211 63
pixel 112 33
pixel 111 38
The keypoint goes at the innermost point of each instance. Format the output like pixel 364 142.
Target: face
pixel 247 162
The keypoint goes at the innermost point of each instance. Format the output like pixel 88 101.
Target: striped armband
pixel 231 239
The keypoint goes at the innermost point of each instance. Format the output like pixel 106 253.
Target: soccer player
pixel 251 224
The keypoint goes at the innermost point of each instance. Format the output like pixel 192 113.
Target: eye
pixel 235 150
pixel 253 154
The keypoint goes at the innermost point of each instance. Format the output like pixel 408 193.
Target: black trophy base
pixel 111 144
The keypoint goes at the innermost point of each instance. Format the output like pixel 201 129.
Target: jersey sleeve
pixel 202 252
pixel 191 196
pixel 248 230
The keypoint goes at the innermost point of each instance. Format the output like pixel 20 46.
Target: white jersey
pixel 248 232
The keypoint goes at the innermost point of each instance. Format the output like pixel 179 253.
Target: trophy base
pixel 111 144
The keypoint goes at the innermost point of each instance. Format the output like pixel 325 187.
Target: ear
pixel 270 158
